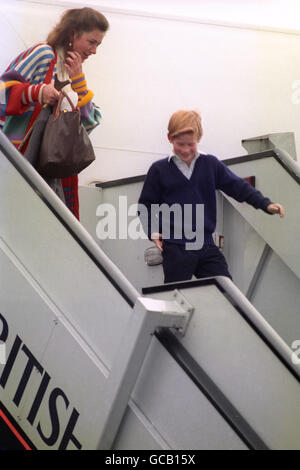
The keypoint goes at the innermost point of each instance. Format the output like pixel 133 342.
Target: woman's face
pixel 86 43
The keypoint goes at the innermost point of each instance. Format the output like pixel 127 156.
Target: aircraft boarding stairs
pixel 91 362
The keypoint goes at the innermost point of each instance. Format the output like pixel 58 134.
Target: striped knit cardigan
pixel 20 102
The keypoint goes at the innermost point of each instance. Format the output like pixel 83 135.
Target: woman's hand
pixel 276 209
pixel 73 64
pixel 49 94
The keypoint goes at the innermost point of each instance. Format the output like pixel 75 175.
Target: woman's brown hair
pixel 81 20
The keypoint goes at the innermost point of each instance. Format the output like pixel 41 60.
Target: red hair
pixel 182 122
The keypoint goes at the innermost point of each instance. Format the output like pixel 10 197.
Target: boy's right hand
pixel 157 239
pixel 276 208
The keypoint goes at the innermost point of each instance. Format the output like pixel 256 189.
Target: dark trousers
pixel 180 264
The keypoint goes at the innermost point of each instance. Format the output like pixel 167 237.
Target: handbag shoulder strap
pixel 56 111
pixel 38 106
pixel 47 80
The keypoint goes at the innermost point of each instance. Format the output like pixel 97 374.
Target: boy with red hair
pixel 188 180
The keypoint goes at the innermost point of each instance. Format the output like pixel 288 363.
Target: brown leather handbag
pixel 66 148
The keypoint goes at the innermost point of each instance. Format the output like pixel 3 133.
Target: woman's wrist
pixel 79 85
pixel 33 94
pixel 80 76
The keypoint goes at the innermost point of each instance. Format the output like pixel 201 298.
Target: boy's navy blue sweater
pixel 165 183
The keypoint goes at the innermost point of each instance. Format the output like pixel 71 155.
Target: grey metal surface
pixel 90 345
pixel 281 140
pixel 276 183
pixel 276 290
pixel 276 342
pixel 240 362
pixel 34 180
pixel 286 159
pixel 244 244
pixel 51 284
pixel 215 396
pixel 172 406
pixel 277 297
pixel 126 253
pixel 257 275
pixel 275 282
pixel 147 316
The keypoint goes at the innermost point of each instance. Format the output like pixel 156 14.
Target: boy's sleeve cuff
pixel 265 205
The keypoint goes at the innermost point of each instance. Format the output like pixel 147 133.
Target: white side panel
pixel 174 410
pixel 279 186
pixel 55 260
pixel 243 367
pixel 48 345
pixel 127 253
pixel 277 297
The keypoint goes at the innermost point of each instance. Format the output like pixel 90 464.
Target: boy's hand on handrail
pixel 156 238
pixel 276 209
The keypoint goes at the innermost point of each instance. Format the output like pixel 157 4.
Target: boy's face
pixel 184 146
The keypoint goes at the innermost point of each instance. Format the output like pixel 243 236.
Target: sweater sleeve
pixel 239 189
pixel 90 113
pixel 11 92
pixel 23 80
pixel 150 197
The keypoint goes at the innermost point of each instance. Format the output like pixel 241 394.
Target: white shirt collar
pixel 198 154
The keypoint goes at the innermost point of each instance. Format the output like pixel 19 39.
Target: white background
pixel 234 61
